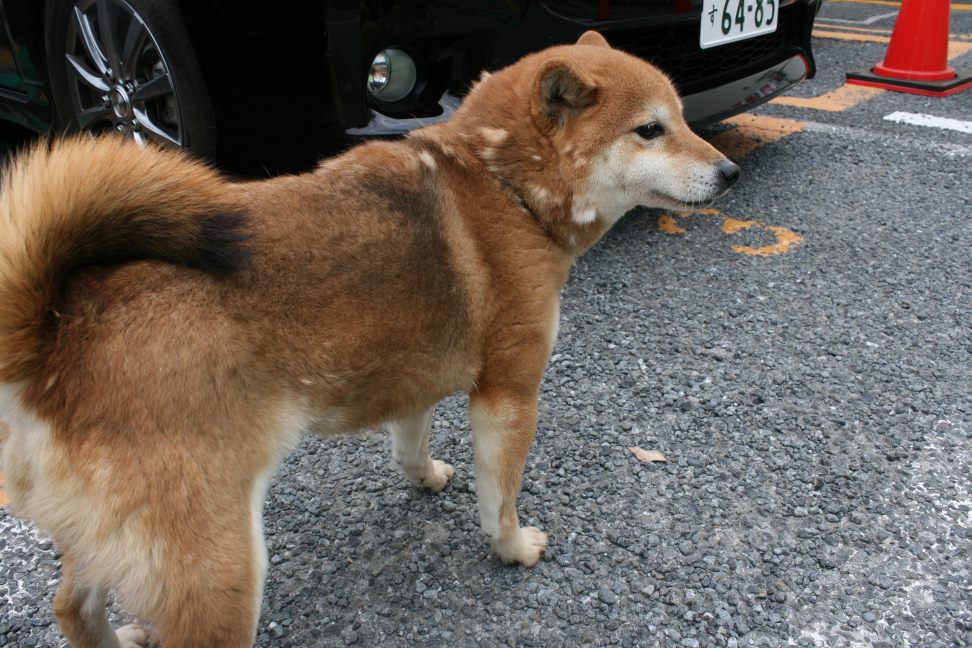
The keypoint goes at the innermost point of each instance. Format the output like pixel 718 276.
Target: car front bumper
pixel 700 108
pixel 734 97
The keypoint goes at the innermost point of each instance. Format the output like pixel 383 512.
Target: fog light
pixel 392 75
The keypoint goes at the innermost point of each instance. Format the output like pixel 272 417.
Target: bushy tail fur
pixel 82 201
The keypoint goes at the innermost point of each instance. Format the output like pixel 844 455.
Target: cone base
pixel 943 74
pixel 962 81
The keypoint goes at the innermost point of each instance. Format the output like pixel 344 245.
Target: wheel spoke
pixel 85 74
pixel 153 130
pixel 106 29
pixel 156 87
pixel 88 116
pixel 139 138
pixel 89 41
pixel 134 38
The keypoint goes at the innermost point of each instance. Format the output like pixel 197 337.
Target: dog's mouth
pixel 697 204
pixel 677 203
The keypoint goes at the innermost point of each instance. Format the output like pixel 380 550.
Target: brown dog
pixel 167 335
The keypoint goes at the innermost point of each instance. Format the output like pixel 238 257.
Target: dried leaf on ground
pixel 647 456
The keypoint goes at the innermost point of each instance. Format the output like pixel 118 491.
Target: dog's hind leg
pixel 212 594
pixel 410 449
pixel 81 615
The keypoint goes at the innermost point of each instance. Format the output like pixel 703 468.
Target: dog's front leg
pixel 410 449
pixel 503 427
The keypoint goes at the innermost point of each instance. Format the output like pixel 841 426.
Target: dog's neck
pixel 531 175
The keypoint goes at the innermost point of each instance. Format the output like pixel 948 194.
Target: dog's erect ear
pixel 561 90
pixel 594 39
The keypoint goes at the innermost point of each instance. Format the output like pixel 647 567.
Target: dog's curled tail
pixel 85 201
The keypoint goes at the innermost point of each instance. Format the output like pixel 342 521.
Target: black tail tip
pixel 222 245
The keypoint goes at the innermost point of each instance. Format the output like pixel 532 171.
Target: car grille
pixel 676 51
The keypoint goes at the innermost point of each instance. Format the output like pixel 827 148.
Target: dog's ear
pixel 561 90
pixel 593 39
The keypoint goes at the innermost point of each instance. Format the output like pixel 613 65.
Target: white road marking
pixel 923 145
pixel 866 21
pixel 918 119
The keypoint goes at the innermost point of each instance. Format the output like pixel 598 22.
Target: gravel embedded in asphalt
pixel 814 407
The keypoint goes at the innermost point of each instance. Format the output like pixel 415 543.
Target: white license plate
pixel 726 21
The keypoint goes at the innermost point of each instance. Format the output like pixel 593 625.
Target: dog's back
pixel 162 346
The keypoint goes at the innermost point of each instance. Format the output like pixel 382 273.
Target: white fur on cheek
pixel 627 176
pixel 607 187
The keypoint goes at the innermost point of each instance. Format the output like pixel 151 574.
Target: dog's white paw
pixel 133 636
pixel 436 478
pixel 526 546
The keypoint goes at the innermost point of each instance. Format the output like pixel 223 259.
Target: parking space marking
pixel 920 119
pixel 785 237
pixel 843 98
pixel 955 6
pixel 956 48
pixel 866 30
pixel 747 133
pixel 668 224
pixel 732 225
pixel 883 3
pixel 864 21
pixel 751 132
pixel 851 36
pixel 919 145
pixel 848 96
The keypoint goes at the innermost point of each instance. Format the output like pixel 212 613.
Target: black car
pixel 274 84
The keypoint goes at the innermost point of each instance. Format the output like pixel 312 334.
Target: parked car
pixel 254 83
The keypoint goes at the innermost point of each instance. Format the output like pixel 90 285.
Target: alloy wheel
pixel 118 77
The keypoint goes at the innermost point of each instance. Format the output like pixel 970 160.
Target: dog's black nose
pixel 729 171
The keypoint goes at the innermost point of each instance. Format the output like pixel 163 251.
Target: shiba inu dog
pixel 166 335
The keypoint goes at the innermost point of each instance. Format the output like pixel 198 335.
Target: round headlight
pixel 392 75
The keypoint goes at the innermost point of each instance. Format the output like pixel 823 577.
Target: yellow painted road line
pixel 867 30
pixel 668 224
pixel 668 221
pixel 733 225
pixel 883 3
pixel 848 96
pixel 850 36
pixel 955 48
pixel 785 237
pixel 955 6
pixel 752 132
pixel 843 98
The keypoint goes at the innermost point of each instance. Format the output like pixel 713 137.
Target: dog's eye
pixel 650 130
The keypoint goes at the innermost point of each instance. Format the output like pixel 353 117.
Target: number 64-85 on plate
pixel 726 21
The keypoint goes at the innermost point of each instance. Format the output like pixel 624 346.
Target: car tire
pixel 140 78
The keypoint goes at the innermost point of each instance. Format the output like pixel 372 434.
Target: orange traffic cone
pixel 917 56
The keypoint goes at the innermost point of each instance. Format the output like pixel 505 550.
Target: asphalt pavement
pixel 802 355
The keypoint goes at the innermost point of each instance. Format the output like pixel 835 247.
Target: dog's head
pixel 584 133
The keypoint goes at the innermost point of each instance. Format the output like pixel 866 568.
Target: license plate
pixel 726 21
